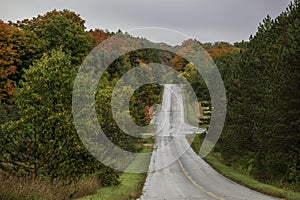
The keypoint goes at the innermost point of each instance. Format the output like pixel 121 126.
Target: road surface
pixel 175 171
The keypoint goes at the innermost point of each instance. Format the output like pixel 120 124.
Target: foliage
pixel 56 29
pixel 8 61
pixel 44 140
pixel 263 118
pixel 97 36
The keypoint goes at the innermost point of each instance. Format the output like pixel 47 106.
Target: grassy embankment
pixel 241 177
pixel 131 184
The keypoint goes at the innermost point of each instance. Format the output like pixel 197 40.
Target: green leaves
pixel 55 30
pixel 44 141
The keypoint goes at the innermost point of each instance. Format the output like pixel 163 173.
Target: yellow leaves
pixel 28 87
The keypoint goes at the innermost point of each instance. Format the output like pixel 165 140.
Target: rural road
pixel 175 171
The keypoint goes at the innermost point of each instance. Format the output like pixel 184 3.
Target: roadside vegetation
pixel 241 176
pixel 130 186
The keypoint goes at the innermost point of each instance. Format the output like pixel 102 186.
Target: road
pixel 175 171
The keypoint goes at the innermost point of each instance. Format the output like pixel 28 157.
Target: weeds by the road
pixel 13 188
pixel 87 188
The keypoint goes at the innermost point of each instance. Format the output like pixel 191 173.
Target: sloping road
pixel 175 171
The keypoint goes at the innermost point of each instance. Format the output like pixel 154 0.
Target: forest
pixel 39 60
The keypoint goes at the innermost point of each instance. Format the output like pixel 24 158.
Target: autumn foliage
pixel 8 57
pixel 217 52
pixel 97 36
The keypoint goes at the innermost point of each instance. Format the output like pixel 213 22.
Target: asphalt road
pixel 175 171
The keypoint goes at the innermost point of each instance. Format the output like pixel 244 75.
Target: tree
pixel 56 29
pixel 97 36
pixel 44 140
pixel 263 132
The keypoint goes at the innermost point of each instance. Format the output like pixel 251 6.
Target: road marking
pixel 197 185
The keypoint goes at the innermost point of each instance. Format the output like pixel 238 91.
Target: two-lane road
pixel 175 171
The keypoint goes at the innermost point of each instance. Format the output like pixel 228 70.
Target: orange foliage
pixel 178 62
pixel 221 52
pixel 7 63
pixel 98 36
pixel 149 112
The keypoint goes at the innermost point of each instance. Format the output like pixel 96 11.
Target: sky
pixel 169 21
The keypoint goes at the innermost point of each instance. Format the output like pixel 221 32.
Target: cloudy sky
pixel 205 20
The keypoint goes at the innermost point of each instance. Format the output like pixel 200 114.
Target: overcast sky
pixel 205 20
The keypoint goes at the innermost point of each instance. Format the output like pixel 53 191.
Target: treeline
pixel 262 130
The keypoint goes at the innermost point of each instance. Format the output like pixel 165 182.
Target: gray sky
pixel 205 20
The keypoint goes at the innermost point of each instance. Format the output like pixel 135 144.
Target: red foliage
pixel 147 110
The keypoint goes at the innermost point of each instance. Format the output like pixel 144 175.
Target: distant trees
pixel 8 63
pixel 97 36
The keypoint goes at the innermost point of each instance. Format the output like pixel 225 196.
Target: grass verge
pixel 215 160
pixel 131 184
pixel 130 188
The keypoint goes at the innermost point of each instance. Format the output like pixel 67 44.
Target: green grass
pixel 131 184
pixel 147 141
pixel 215 160
pixel 130 188
pixel 197 141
